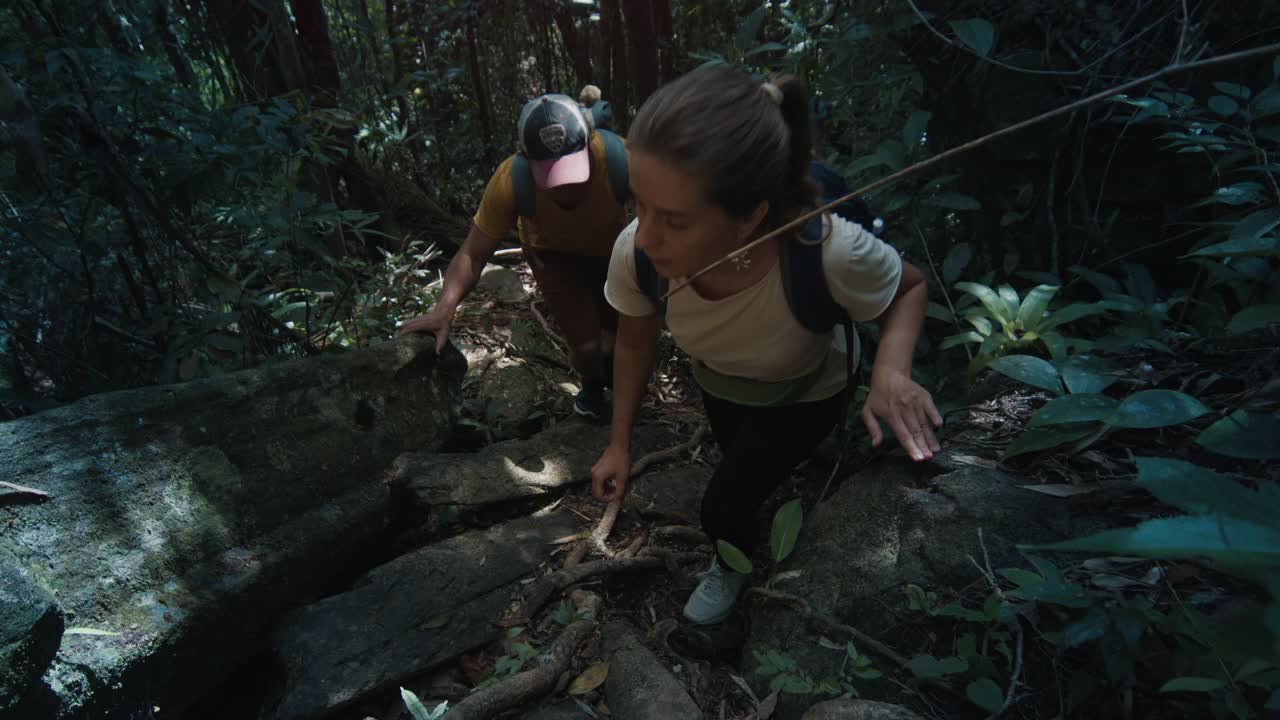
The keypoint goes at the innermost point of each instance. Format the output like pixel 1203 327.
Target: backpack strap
pixel 522 185
pixel 615 156
pixel 805 281
pixel 653 285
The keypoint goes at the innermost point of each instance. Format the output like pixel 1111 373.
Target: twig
pixel 1013 678
pixel 924 242
pixel 1182 36
pixel 549 586
pixel 947 155
pixel 24 490
pixel 825 623
pixel 986 572
pixel 520 688
pixel 670 453
pixel 556 340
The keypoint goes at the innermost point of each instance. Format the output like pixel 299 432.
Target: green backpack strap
pixel 522 185
pixel 615 156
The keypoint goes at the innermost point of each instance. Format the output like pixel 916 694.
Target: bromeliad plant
pixel 1004 322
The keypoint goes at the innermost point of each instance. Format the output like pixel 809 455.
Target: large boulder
pixel 408 615
pixel 890 525
pixel 31 627
pixel 185 518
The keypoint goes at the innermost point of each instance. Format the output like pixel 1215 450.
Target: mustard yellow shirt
pixel 588 229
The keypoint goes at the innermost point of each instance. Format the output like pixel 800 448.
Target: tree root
pixel 523 687
pixel 551 585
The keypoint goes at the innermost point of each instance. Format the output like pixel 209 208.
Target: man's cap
pixel 553 133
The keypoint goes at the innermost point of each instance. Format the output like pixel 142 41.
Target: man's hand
pixel 609 474
pixel 909 410
pixel 437 322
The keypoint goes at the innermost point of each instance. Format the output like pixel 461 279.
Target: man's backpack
pixel 615 155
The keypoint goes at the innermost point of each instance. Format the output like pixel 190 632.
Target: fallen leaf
pixel 582 535
pixel 1059 489
pixel 435 621
pixel 590 679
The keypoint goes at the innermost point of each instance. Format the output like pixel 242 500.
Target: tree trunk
pixel 172 47
pixel 662 22
pixel 317 51
pixel 643 42
pixel 272 67
pixel 619 98
pixel 395 20
pixel 575 44
pixel 478 81
pixel 604 61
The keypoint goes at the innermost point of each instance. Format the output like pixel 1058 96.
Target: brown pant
pixel 573 286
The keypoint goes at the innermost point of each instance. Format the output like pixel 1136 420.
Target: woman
pixel 717 160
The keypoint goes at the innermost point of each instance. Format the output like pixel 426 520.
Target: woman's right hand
pixel 609 474
pixel 437 322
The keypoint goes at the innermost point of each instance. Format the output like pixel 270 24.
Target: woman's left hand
pixel 909 410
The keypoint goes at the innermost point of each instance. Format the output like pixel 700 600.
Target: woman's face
pixel 680 229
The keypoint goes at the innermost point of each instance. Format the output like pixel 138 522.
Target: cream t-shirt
pixel 753 333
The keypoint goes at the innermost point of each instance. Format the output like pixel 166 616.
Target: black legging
pixel 761 446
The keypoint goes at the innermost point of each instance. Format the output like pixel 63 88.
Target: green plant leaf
pixel 1080 407
pixel 1241 193
pixel 990 300
pixel 1251 247
pixel 954 340
pixel 734 558
pixel 1032 311
pixel 978 34
pixel 1030 370
pixel 1086 373
pixel 786 529
pixel 954 201
pixel 1086 629
pixel 1223 105
pixel 1056 343
pixel 1037 439
pixel 1105 283
pixel 750 28
pixel 938 312
pixel 764 47
pixel 1192 684
pixel 1201 491
pixel 979 320
pixel 1255 225
pixel 1020 577
pixel 1011 302
pixel 984 693
pixel 928 666
pixel 1254 317
pixel 913 131
pixel 415 706
pixel 1237 704
pixel 1235 90
pixel 1233 542
pixel 1240 435
pixel 1156 408
pixel 957 260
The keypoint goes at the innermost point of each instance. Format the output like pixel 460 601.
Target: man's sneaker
pixel 714 597
pixel 591 402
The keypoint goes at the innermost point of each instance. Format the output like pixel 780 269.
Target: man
pixel 564 190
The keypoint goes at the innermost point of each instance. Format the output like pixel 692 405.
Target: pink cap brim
pixel 567 170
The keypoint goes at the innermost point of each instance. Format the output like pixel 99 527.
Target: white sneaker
pixel 714 597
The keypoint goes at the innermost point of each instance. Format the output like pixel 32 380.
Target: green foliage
pixel 420 711
pixel 786 676
pixel 1005 323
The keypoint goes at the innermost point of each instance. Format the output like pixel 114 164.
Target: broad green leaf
pixel 1032 310
pixel 1080 407
pixel 1105 283
pixel 954 340
pixel 1241 193
pixel 1086 373
pixel 1232 542
pixel 978 34
pixel 1075 311
pixel 1252 247
pixel 913 131
pixel 1201 491
pixel 1020 577
pixel 928 666
pixel 1037 439
pixel 734 558
pixel 764 47
pixel 1223 105
pixel 786 529
pixel 957 260
pixel 938 312
pixel 750 28
pixel 1156 408
pixel 984 693
pixel 980 321
pixel 1266 104
pixel 1086 629
pixel 1235 90
pixel 1056 343
pixel 1192 684
pixel 1255 225
pixel 954 201
pixel 990 300
pixel 415 706
pixel 1241 435
pixel 1011 301
pixel 1237 704
pixel 1030 370
pixel 1254 317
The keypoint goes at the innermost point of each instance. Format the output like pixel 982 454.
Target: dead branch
pixel 551 585
pixel 523 687
pixel 670 453
pixel 24 490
